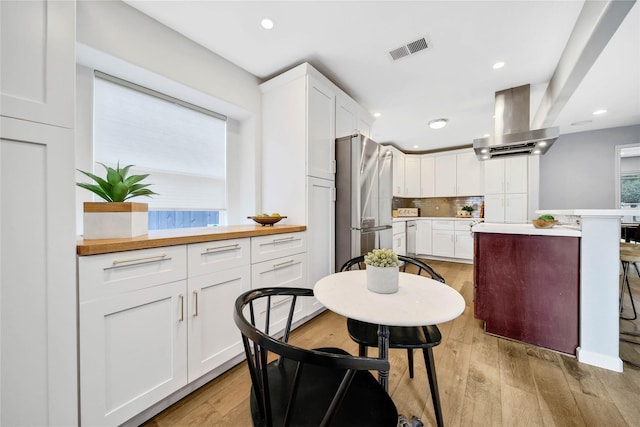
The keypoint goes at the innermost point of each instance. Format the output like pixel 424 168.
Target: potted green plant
pixel 117 218
pixel 382 271
pixel 466 210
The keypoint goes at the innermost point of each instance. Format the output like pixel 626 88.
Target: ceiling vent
pixel 410 48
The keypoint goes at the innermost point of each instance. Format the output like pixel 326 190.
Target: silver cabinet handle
pixel 195 298
pixel 142 260
pixel 181 297
pixel 282 264
pixel 220 249
pixel 282 239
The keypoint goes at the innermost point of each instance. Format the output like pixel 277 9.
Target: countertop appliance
pixel 364 191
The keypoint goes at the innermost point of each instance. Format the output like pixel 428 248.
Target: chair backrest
pixel 277 384
pixel 358 262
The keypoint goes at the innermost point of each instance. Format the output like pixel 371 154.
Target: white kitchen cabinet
pixel 38 325
pixel 38 61
pixel 443 238
pixel 463 240
pixel 400 237
pixel 412 178
pixel 505 182
pixel 133 352
pixel 445 175
pixel 427 176
pixel 398 172
pixel 468 174
pixel 298 155
pixel 351 117
pixel 285 265
pixel 424 237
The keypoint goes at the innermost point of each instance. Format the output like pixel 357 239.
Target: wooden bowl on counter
pixel 266 220
pixel 543 223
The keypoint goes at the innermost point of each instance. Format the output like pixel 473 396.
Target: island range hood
pixel 512 136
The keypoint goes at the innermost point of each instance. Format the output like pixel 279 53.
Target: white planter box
pixel 104 220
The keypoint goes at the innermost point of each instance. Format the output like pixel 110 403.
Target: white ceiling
pixel 348 42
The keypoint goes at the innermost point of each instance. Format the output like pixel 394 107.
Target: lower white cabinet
pixel 463 240
pixel 423 237
pixel 443 243
pixel 509 208
pixel 444 238
pixel 399 238
pixel 133 352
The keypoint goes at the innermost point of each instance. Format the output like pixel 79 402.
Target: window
pixel 182 146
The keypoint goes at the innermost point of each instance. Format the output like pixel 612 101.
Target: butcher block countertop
pixel 159 238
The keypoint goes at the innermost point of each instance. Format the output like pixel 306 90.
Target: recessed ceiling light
pixel 266 23
pixel 542 143
pixel 498 65
pixel 438 123
pixel 376 114
pixel 416 146
pixel 598 112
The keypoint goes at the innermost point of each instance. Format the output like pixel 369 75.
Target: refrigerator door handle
pixel 372 229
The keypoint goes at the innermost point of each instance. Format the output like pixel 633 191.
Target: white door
pixel 515 208
pixel 213 336
pixel 423 237
pixel 494 176
pixel 133 352
pixel 445 175
pixel 346 119
pixel 427 176
pixel 515 174
pixel 412 176
pixel 320 130
pixel 494 208
pixel 398 174
pixel 468 175
pixel 443 243
pixel 464 244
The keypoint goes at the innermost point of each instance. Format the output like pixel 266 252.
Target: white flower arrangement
pixel 381 258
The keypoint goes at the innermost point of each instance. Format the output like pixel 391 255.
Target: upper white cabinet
pixel 412 177
pixel 38 61
pixel 506 195
pixel 427 176
pixel 320 129
pixel 351 117
pixel 445 175
pixel 458 174
pixel 398 171
pixel 506 175
pixel 38 331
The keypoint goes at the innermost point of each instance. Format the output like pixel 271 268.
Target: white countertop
pixel 528 229
pixel 590 212
pixel 442 218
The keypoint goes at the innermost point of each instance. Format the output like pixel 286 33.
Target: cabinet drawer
pixel 210 257
pixel 264 248
pixel 462 225
pixel 438 224
pixel 107 275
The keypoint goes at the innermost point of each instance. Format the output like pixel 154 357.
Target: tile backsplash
pixel 440 206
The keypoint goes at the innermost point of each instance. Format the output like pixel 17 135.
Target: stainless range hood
pixel 512 135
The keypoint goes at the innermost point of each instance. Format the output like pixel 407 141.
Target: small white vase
pixel 382 280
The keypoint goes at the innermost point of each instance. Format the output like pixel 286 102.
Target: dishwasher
pixel 411 238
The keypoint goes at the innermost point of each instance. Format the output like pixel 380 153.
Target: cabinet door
pixel 515 208
pixel 468 175
pixel 443 243
pixel 398 174
pixel 446 175
pixel 494 176
pixel 427 177
pixel 412 176
pixel 133 352
pixel 320 130
pixel 515 175
pixel 38 61
pixel 423 237
pixel 494 208
pixel 346 116
pixel 400 243
pixel 213 336
pixel 321 231
pixel 365 122
pixel 463 244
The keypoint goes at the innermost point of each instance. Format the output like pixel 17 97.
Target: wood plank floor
pixel 483 380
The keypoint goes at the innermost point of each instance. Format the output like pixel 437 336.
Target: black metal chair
pixel 320 387
pixel 410 338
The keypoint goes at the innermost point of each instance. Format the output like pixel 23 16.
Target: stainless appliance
pixel 363 197
pixel 411 238
pixel 512 135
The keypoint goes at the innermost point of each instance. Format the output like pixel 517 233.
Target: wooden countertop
pixel 182 236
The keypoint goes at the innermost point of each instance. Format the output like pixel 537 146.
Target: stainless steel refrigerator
pixel 363 197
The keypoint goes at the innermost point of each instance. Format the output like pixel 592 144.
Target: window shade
pixel 183 147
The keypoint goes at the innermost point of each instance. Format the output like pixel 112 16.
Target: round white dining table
pixel 420 301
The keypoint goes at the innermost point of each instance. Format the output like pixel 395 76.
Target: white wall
pixel 579 169
pixel 119 40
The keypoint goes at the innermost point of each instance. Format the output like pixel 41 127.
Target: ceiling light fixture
pixel 438 123
pixel 598 112
pixel 266 23
pixel 376 115
pixel 498 65
pixel 416 146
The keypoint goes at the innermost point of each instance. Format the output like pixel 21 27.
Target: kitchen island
pixel 599 268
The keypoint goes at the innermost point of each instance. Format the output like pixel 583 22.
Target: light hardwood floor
pixel 483 380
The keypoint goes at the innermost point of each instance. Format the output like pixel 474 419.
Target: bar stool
pixel 628 256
